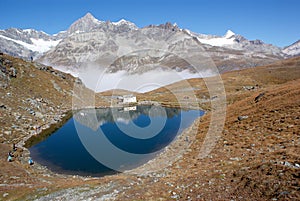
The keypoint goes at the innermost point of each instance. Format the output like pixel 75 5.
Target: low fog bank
pixel 99 80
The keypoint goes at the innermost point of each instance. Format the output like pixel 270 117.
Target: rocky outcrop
pixel 32 96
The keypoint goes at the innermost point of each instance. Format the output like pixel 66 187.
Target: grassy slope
pixel 249 160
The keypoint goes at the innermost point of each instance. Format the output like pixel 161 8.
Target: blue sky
pixel 273 21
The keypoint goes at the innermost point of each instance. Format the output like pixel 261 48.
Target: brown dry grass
pixel 247 163
pixel 249 160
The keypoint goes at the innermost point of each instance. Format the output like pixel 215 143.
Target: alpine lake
pixel 98 142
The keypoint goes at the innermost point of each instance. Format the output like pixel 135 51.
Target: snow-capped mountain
pixel 226 40
pixel 26 43
pixel 91 40
pixel 237 42
pixel 29 42
pixel 293 50
pixel 89 23
pixel 121 47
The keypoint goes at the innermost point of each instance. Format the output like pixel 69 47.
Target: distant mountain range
pixel 122 46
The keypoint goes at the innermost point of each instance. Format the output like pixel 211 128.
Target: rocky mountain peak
pixel 229 34
pixel 239 38
pixel 89 23
pixel 89 16
pixel 167 26
pixel 124 22
pixel 257 42
pixel 84 24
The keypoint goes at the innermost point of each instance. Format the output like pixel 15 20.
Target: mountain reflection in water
pixel 96 142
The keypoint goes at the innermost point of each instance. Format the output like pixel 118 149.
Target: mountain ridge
pixel 121 47
pixel 88 23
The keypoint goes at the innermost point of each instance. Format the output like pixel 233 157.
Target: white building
pixel 127 99
pixel 127 109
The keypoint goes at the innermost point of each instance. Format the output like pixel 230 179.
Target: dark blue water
pixel 104 141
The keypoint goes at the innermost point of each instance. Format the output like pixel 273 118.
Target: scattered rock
pixel 33 102
pixel 257 98
pixel 41 66
pixel 284 193
pixel 240 118
pixel 174 195
pixel 5 194
pixel 13 72
pixel 39 115
pixel 214 97
pixel 78 81
pixel 236 159
pixel 56 86
pixel 290 165
pixel 287 164
pixel 7 62
pixel 2 106
pixel 7 132
pixel 58 74
pixel 31 111
pixel 14 126
pixel 249 88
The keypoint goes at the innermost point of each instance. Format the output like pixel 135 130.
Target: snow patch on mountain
pixel 225 40
pixel 61 32
pixel 39 45
pixel 292 50
pixel 125 22
pixel 42 46
pixel 122 21
pixel 229 34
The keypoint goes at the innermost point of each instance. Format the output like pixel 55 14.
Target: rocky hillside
pixel 32 95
